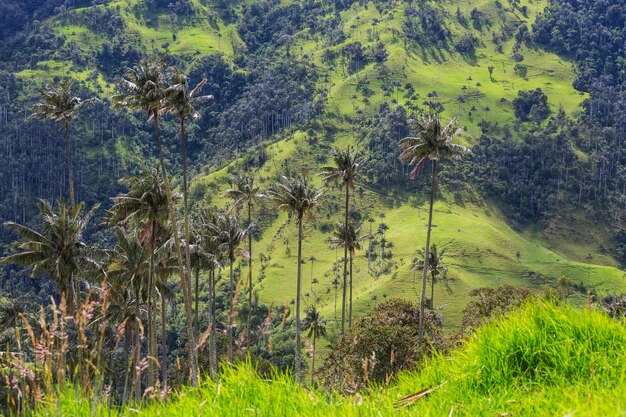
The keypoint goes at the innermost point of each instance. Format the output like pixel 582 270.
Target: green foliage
pixel 382 344
pixel 492 303
pixel 552 360
pixel 531 105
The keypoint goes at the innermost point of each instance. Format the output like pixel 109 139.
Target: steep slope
pixel 468 59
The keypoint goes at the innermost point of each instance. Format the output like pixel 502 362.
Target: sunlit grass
pixel 544 360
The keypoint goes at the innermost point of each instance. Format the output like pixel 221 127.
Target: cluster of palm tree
pixel 150 246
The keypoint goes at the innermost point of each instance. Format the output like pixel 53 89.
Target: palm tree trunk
pixel 350 311
pixel 298 369
pixel 152 371
pixel 184 275
pixel 197 292
pixel 345 263
pixel 250 308
pixel 211 329
pixel 433 187
pixel 313 360
pixel 137 373
pixel 68 161
pixel 231 312
pixel 186 208
pixel 214 339
pixel 164 338
pixel 432 292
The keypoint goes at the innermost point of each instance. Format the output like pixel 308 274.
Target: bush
pixel 383 343
pixel 491 303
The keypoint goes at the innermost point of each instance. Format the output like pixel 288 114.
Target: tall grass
pixel 543 360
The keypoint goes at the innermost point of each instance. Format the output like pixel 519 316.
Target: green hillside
pixel 482 247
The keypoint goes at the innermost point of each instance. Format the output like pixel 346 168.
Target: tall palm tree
pixel 245 192
pixel 181 99
pixel 432 142
pixel 58 250
pixel 211 248
pixel 145 206
pixel 347 170
pixel 350 238
pixel 316 326
pixel 435 267
pixel 230 235
pixel 57 103
pixel 298 197
pixel 129 270
pixel 143 89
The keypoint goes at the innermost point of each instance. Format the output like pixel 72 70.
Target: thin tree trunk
pixel 432 292
pixel 214 340
pixel 186 210
pixel 184 275
pixel 152 369
pixel 350 311
pixel 137 349
pixel 68 160
pixel 211 329
pixel 345 263
pixel 231 312
pixel 164 338
pixel 250 308
pixel 313 360
pixel 197 292
pixel 433 186
pixel 298 370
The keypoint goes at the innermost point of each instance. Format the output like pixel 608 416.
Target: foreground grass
pixel 544 360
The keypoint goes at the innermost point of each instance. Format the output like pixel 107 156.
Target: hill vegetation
pixel 543 360
pixel 281 171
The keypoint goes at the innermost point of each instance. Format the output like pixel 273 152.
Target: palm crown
pixel 144 87
pixel 243 190
pixel 314 323
pixel 58 104
pixel 294 195
pixel 145 202
pixel 59 250
pixel 432 141
pixel 352 237
pixel 348 164
pixel 180 99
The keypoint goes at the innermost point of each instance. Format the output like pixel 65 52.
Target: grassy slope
pixel 541 361
pixel 482 246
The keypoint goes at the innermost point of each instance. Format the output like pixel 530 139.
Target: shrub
pixel 491 303
pixel 383 343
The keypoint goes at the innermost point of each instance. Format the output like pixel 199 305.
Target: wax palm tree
pixel 351 239
pixel 145 207
pixel 435 267
pixel 229 234
pixel 316 326
pixel 58 250
pixel 181 100
pixel 143 89
pixel 244 192
pixel 432 141
pixel 347 170
pixel 58 103
pixel 298 197
pixel 212 249
pixel 129 271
